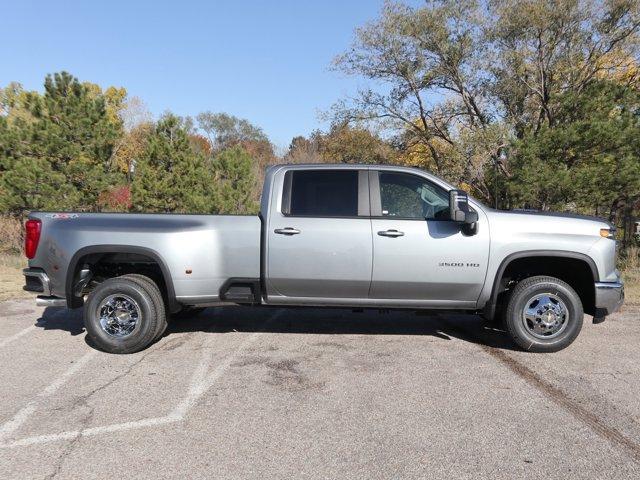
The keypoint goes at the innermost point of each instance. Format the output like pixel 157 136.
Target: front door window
pixel 411 197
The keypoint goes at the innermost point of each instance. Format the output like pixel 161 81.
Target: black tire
pixel 145 328
pixel 187 312
pixel 153 289
pixel 524 295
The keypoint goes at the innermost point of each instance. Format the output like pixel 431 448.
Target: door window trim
pixel 364 209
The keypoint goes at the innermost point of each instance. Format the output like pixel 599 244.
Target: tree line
pixel 524 103
pixel 77 147
pixel 527 103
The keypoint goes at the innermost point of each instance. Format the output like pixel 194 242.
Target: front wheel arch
pixel 575 268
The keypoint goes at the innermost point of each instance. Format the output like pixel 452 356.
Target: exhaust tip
pixel 51 302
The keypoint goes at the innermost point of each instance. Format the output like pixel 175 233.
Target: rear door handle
pixel 286 231
pixel 390 233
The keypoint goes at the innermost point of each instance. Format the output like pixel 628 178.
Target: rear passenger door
pixel 319 241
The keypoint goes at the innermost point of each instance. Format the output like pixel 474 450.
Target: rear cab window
pixel 324 193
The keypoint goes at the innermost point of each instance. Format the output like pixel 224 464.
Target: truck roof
pixel 356 166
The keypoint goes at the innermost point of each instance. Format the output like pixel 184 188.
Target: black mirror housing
pixel 459 207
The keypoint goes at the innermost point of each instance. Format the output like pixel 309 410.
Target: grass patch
pixel 631 279
pixel 11 278
pixel 630 267
pixel 11 232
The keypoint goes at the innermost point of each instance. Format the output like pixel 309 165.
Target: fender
pixel 490 307
pixel 74 302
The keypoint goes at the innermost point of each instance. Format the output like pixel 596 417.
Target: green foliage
pixel 12 103
pixel 170 176
pixel 590 158
pixel 55 153
pixel 174 175
pixel 67 149
pixel 235 182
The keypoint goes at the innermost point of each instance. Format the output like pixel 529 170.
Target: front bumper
pixel 609 297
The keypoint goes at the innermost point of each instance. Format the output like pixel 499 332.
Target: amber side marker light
pixel 608 232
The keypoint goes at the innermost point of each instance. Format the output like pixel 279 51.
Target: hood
pixel 557 214
pixel 530 224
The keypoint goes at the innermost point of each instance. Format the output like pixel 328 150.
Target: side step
pixel 241 290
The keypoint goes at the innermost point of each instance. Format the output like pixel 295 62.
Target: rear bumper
pixel 36 280
pixel 609 297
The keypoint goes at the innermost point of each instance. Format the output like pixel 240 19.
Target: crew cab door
pixel 318 236
pixel 419 254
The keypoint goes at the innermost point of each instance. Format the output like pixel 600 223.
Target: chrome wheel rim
pixel 119 315
pixel 545 316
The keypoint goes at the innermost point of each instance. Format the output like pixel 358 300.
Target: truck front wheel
pixel 121 315
pixel 543 314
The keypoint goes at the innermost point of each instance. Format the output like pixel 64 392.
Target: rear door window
pixel 324 193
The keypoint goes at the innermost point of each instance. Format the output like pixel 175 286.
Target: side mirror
pixel 459 207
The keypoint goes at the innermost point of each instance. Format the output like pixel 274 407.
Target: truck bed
pixel 199 252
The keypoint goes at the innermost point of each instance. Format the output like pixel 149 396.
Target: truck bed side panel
pixel 213 248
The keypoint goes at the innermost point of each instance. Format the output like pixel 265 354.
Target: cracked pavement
pixel 238 392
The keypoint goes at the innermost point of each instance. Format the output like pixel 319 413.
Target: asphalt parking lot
pixel 268 393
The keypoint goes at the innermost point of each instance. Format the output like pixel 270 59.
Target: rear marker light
pixel 31 237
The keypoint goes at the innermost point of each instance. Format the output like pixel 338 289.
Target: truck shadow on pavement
pixel 445 326
pixel 60 318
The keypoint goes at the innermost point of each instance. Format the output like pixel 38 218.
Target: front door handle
pixel 390 233
pixel 286 231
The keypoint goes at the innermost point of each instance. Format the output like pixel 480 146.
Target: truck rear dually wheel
pixel 122 315
pixel 543 314
pixel 152 288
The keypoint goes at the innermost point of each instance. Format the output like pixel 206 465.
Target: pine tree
pixel 590 160
pixel 59 157
pixel 170 176
pixel 235 182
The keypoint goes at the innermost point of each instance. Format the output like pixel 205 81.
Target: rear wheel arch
pixel 581 276
pixel 78 260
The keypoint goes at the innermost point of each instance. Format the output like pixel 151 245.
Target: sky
pixel 266 61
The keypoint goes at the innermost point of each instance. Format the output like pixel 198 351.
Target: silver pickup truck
pixel 355 236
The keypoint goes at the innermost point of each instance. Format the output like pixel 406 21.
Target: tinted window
pixel 328 193
pixel 407 196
